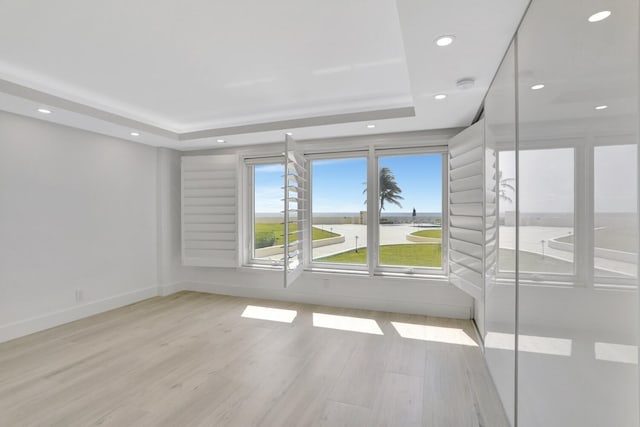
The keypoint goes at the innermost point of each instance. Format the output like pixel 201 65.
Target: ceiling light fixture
pixel 537 87
pixel 600 16
pixel 221 140
pixel 290 133
pixel 443 41
pixel 134 134
pixel 44 111
pixel 602 107
pixel 440 96
pixel 371 126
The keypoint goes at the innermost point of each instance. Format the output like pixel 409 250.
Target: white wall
pixel 82 211
pixel 77 211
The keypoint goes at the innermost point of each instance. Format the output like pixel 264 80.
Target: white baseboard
pixel 345 301
pixel 49 320
pixel 168 289
pixel 35 324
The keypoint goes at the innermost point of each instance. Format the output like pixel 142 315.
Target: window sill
pixel 379 275
pixel 255 267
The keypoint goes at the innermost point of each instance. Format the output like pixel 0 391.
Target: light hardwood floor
pixel 192 359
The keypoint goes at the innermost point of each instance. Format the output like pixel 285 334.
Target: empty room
pixel 319 213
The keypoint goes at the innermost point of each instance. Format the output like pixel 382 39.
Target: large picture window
pixel 399 230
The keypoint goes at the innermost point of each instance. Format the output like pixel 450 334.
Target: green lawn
pixel 414 255
pixel 436 234
pixel 273 234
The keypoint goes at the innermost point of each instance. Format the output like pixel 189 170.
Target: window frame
pixel 329 266
pixel 248 220
pixel 583 274
pixel 373 266
pixel 380 269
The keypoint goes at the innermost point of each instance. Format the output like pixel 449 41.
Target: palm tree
pixel 504 187
pixel 389 191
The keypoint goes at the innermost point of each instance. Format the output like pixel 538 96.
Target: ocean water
pixel 357 214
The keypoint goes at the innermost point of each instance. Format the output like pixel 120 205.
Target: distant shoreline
pixel 355 214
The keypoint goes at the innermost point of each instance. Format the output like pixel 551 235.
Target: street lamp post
pixel 542 243
pixel 356 244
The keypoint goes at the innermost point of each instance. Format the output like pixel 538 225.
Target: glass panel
pixel 615 232
pixel 546 210
pixel 268 226
pixel 577 345
pixel 410 208
pixel 339 210
pixel 500 298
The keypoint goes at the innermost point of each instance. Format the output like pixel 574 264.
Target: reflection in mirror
pixel 615 227
pixel 578 204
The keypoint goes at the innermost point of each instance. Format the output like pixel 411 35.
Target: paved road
pixel 531 240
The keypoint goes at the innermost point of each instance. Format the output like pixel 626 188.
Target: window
pixel 409 203
pixel 398 231
pixel 339 211
pixel 265 222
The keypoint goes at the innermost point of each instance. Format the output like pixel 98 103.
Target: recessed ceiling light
pixel 443 41
pixel 537 87
pixel 371 126
pixel 600 16
pixel 440 96
pixel 602 107
pixel 44 111
pixel 134 134
pixel 221 140
pixel 290 133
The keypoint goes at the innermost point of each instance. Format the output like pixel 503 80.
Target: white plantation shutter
pixel 295 204
pixel 209 211
pixel 467 198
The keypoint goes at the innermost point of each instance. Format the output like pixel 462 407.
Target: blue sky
pixel 338 184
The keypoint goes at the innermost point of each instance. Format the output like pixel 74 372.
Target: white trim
pixel 345 301
pixel 39 323
pixel 172 288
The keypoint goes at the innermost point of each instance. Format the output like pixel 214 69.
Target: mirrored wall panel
pixel 500 168
pixel 577 254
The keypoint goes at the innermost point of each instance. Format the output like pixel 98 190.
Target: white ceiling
pixel 186 73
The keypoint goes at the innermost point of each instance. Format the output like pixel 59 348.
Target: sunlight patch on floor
pixel 433 333
pixel 346 323
pixel 529 343
pixel 621 353
pixel 268 313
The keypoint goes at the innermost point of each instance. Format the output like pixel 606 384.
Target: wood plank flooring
pixel 192 359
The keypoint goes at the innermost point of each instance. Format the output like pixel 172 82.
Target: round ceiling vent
pixel 465 83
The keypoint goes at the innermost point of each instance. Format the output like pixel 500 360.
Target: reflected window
pixel 615 226
pixel 546 231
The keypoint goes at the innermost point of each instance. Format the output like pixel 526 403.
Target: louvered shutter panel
pixel 295 203
pixel 209 211
pixel 467 240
